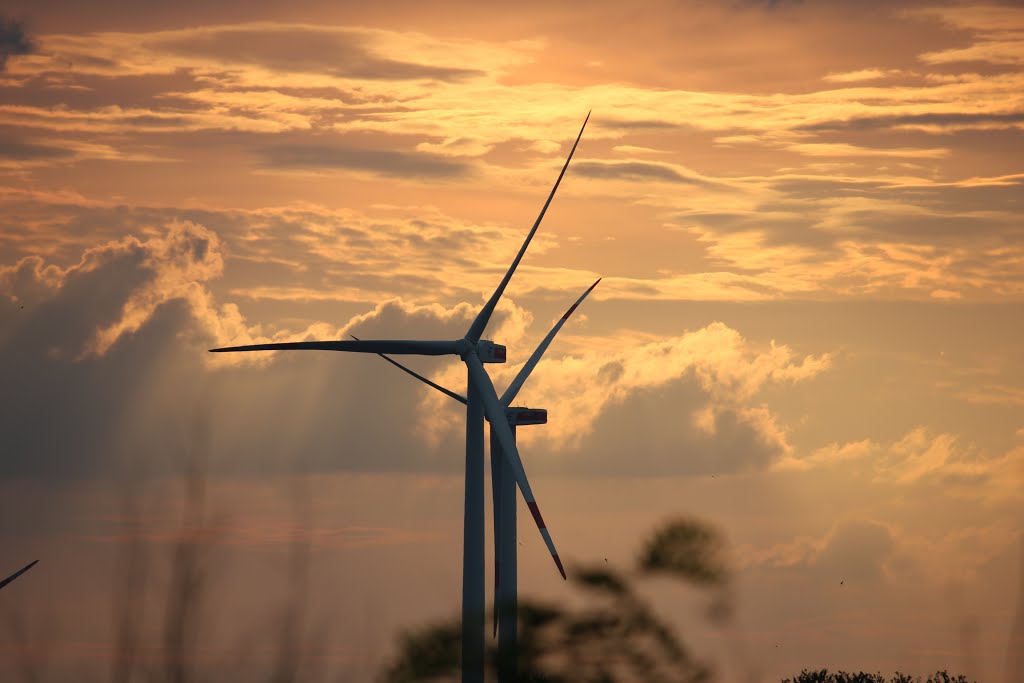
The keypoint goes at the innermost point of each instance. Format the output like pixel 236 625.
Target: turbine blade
pixel 18 573
pixel 394 346
pixel 457 397
pixel 517 383
pixel 499 424
pixel 484 316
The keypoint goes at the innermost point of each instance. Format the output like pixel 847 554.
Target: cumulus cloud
pixel 117 287
pixel 112 350
pixel 852 549
pixel 131 320
pixel 682 404
pixel 921 458
pixel 186 256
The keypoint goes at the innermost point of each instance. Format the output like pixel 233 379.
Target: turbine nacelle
pixel 520 417
pixel 489 352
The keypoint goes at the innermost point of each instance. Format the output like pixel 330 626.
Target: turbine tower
pixel 503 499
pixel 18 573
pixel 481 400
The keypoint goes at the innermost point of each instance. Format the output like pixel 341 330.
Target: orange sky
pixel 807 216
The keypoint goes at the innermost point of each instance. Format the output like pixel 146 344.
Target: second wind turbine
pixel 503 499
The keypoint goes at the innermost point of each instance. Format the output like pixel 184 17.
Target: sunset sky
pixel 808 218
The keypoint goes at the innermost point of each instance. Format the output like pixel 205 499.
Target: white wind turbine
pixel 503 498
pixel 481 400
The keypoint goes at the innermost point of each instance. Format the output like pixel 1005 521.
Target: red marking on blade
pixel 560 568
pixel 536 515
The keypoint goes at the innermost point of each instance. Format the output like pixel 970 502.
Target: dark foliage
pixel 13 40
pixel 689 550
pixel 616 637
pixel 826 676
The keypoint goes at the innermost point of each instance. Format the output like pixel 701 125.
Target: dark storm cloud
pixel 634 170
pixel 27 151
pixel 338 53
pixel 13 40
pixel 383 161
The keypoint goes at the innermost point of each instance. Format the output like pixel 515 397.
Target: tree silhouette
pixel 616 637
pixel 826 676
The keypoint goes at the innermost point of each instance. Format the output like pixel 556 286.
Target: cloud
pixel 829 455
pixel 933 122
pixel 124 282
pixel 920 459
pixel 853 549
pixel 310 53
pixel 861 75
pixel 383 161
pixel 847 150
pixel 340 52
pixel 26 151
pixel 856 550
pixel 997 32
pixel 637 171
pixel 131 320
pixel 681 404
pixel 111 352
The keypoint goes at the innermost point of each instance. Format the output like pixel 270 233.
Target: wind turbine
pixel 481 400
pixel 503 498
pixel 18 573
